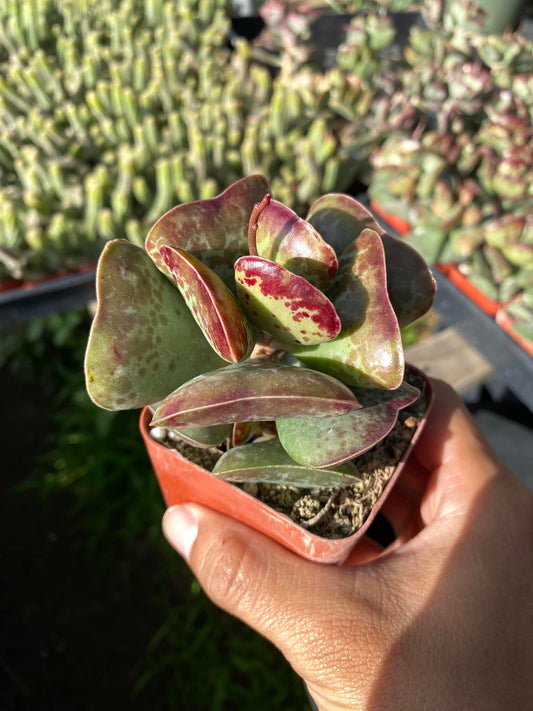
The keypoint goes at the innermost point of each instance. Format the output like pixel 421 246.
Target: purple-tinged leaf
pixel 329 441
pixel 243 432
pixel 284 304
pixel 267 462
pixel 214 231
pixel 410 284
pixel 368 352
pixel 144 341
pixel 253 390
pixel 205 437
pixel 339 219
pixel 285 238
pixel 212 305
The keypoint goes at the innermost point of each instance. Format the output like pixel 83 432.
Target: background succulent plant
pixel 306 312
pixel 462 175
pixel 111 112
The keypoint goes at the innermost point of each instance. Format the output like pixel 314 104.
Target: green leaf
pixel 212 305
pixel 253 390
pixel 368 352
pixel 214 230
pixel 143 342
pixel 268 462
pixel 205 437
pixel 328 441
pixel 410 284
pixel 285 238
pixel 284 304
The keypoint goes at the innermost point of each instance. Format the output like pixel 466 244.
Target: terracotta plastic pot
pixel 485 303
pixel 181 480
pixel 505 322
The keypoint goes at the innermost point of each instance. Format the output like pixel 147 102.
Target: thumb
pixel 289 600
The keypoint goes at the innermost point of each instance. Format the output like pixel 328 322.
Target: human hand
pixel 442 619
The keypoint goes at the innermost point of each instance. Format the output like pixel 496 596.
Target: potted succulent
pixel 268 346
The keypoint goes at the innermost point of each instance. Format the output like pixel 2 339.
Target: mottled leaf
pixel 212 305
pixel 253 390
pixel 368 352
pixel 285 238
pixel 284 304
pixel 205 437
pixel 267 462
pixel 144 342
pixel 214 231
pixel 410 284
pixel 328 441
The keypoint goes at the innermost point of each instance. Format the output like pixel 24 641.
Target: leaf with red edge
pixel 253 390
pixel 285 238
pixel 144 341
pixel 410 284
pixel 214 231
pixel 329 441
pixel 368 352
pixel 267 462
pixel 212 305
pixel 284 304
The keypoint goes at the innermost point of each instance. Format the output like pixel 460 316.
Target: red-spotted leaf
pixel 284 304
pixel 368 352
pixel 214 231
pixel 144 342
pixel 212 305
pixel 205 437
pixel 410 284
pixel 253 390
pixel 267 462
pixel 285 238
pixel 328 441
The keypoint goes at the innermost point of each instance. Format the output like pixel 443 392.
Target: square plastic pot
pixel 183 481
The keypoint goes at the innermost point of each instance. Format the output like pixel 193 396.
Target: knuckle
pixel 231 572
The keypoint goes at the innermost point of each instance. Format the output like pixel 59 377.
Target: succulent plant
pixel 240 318
pixel 462 175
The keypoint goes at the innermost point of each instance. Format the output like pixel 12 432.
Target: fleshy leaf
pixel 328 441
pixel 214 230
pixel 339 219
pixel 368 352
pixel 243 432
pixel 410 284
pixel 205 437
pixel 212 305
pixel 268 462
pixel 284 304
pixel 144 341
pixel 253 390
pixel 285 238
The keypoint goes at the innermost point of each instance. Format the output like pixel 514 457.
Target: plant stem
pixel 252 225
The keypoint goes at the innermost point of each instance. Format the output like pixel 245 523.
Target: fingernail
pixel 180 528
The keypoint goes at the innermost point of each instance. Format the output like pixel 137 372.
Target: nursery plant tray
pixel 59 294
pixel 511 362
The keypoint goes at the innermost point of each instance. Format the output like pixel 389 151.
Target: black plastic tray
pixel 57 294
